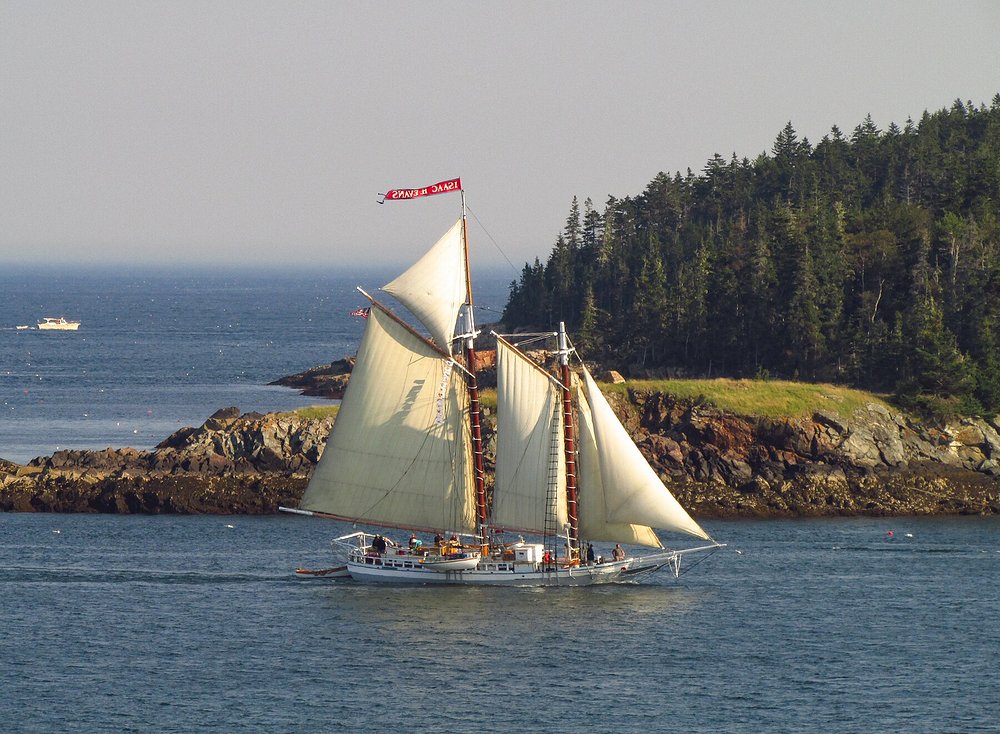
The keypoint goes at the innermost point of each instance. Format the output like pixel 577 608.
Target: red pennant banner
pixel 442 187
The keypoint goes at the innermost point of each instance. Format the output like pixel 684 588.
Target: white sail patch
pixel 434 288
pixel 633 493
pixel 442 394
pixel 531 465
pixel 388 459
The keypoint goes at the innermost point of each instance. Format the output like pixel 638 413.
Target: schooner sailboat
pixel 406 452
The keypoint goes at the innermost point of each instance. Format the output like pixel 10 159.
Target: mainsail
pixel 632 493
pixel 530 464
pixel 400 451
pixel 435 287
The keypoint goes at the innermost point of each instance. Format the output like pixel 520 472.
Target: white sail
pixel 434 288
pixel 633 493
pixel 531 464
pixel 400 450
pixel 593 512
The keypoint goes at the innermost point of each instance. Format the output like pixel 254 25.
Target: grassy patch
pixel 488 399
pixel 315 412
pixel 772 398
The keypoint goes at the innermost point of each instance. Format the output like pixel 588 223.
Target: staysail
pixel 632 493
pixel 434 288
pixel 593 512
pixel 531 467
pixel 400 451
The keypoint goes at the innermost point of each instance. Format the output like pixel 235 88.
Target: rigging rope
pixel 491 239
pixel 701 560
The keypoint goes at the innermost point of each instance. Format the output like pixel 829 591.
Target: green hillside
pixel 774 399
pixel 869 259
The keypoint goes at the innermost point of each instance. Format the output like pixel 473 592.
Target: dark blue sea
pixel 191 624
pixel 161 349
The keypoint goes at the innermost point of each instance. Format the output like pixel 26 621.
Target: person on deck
pixel 618 553
pixel 590 552
pixel 379 545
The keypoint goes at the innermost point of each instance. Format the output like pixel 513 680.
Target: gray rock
pixel 991 437
pixel 859 448
pixel 830 420
pixel 231 413
pixel 889 444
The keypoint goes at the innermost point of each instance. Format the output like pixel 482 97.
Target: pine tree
pixel 939 378
pixel 648 309
pixel 987 390
pixel 589 337
pixel 803 319
pixel 761 300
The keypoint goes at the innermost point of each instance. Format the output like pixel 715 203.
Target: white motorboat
pixel 57 323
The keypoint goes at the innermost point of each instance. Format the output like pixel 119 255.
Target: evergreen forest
pixel 870 259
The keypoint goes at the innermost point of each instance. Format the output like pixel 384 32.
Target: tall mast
pixel 473 385
pixel 569 442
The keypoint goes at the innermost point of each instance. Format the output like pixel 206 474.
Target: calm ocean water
pixel 175 624
pixel 182 624
pixel 164 349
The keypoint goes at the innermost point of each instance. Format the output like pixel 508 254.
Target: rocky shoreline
pixel 876 462
pixel 231 464
pixel 325 381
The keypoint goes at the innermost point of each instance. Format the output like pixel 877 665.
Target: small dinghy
pixel 337 572
pixel 453 562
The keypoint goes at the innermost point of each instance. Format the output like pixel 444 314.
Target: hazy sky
pixel 258 132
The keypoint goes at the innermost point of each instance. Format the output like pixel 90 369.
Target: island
pixel 845 454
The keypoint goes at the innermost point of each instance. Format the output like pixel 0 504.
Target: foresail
pixel 593 513
pixel 633 493
pixel 531 466
pixel 400 451
pixel 434 288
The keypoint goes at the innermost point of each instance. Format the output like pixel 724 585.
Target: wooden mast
pixel 473 385
pixel 569 443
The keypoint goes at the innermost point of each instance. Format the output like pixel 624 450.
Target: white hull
pixel 514 566
pixel 484 575
pixel 60 324
pixel 406 569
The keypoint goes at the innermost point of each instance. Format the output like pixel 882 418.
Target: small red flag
pixel 362 312
pixel 441 187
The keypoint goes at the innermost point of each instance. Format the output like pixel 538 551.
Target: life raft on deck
pixel 452 562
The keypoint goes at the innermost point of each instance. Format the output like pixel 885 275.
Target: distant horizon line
pixel 90 266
